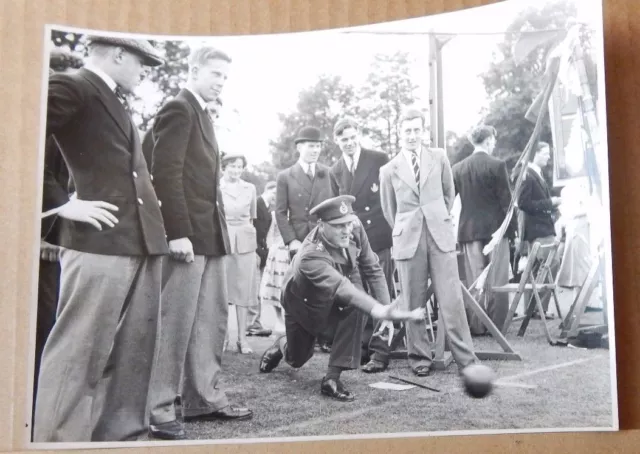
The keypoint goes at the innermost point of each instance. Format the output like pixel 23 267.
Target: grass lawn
pixel 288 403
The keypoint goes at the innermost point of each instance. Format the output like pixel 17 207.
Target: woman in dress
pixel 239 198
pixel 277 263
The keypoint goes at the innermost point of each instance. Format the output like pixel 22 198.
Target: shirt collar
pixel 407 154
pixel 536 168
pixel 307 165
pixel 356 158
pixel 102 75
pixel 201 101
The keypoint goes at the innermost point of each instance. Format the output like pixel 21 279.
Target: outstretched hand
pixel 393 313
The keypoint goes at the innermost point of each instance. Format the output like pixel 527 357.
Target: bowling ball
pixel 478 380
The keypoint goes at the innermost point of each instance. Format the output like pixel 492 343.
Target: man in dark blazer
pixel 262 223
pixel 537 204
pixel 485 195
pixel 324 285
pixel 298 189
pixel 357 173
pixel 113 241
pixel 49 270
pixel 186 170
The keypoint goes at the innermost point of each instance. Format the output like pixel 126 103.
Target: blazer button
pixel 151 177
pixel 140 202
pixel 366 208
pixel 135 174
pixel 305 299
pixel 368 221
pixel 160 203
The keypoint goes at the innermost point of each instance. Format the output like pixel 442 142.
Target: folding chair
pixel 536 277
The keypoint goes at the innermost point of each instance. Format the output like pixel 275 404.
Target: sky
pixel 269 71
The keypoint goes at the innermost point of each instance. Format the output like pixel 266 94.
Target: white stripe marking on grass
pixel 550 368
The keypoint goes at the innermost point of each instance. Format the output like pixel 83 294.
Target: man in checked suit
pixel 357 173
pixel 483 184
pixel 93 383
pixel 186 167
pixel 298 189
pixel 417 193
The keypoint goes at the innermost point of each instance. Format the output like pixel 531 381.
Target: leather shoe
pixel 374 366
pixel 422 371
pixel 260 332
pixel 227 413
pixel 171 430
pixel 335 389
pixel 271 357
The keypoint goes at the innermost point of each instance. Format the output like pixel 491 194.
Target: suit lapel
pixel 319 169
pixel 301 177
pixel 543 184
pixel 426 164
pixel 110 102
pixel 361 173
pixel 203 119
pixel 405 173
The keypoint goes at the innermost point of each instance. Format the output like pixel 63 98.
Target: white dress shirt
pixel 407 154
pixel 306 166
pixel 201 101
pixel 352 163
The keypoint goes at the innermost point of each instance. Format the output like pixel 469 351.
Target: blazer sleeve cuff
pixel 179 229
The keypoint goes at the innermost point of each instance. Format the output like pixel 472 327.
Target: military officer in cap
pixel 324 285
pixel 96 364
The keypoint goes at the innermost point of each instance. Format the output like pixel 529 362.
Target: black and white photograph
pixel 393 230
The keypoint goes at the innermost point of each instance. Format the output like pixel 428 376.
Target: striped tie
pixel 416 167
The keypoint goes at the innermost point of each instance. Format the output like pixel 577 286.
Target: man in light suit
pixel 485 195
pixel 417 193
pixel 93 384
pixel 357 173
pixel 186 168
pixel 298 189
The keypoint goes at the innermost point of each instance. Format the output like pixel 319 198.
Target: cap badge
pixel 343 208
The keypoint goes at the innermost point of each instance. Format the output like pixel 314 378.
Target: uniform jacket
pixel 483 185
pixel 296 194
pixel 406 206
pixel 102 151
pixel 240 210
pixel 364 185
pixel 535 202
pixel 186 171
pixel 320 276
pixel 262 223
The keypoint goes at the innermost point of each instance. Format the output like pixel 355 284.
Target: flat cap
pixel 336 210
pixel 141 47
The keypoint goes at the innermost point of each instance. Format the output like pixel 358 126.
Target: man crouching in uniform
pixel 324 285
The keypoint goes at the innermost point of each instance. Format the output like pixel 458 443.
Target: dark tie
pixel 350 175
pixel 416 167
pixel 122 98
pixel 309 173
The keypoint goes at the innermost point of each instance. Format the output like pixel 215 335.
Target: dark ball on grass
pixel 478 380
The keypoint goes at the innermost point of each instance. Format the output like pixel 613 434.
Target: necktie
pixel 122 98
pixel 416 167
pixel 352 167
pixel 309 172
